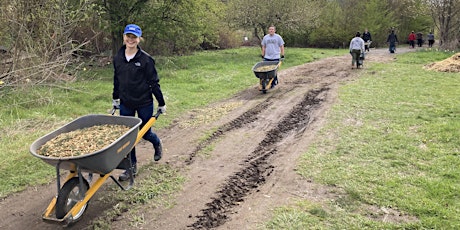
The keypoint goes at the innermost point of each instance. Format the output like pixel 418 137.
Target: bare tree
pixel 257 15
pixel 38 34
pixel 446 16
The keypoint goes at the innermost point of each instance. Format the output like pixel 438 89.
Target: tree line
pixel 40 38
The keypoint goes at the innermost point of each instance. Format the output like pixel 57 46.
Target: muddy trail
pixel 250 169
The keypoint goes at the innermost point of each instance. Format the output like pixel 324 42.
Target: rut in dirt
pixel 246 118
pixel 257 166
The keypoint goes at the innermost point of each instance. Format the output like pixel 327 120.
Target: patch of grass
pixel 159 184
pixel 304 214
pixel 391 142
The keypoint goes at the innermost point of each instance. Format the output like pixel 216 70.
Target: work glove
pixel 162 109
pixel 262 56
pixel 116 103
pixel 282 56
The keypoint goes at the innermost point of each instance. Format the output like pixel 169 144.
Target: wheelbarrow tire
pixel 264 85
pixel 68 196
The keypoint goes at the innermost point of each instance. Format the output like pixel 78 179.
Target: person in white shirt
pixel 356 48
pixel 272 48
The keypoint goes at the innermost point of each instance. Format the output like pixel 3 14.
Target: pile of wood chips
pixel 451 65
pixel 265 68
pixel 82 141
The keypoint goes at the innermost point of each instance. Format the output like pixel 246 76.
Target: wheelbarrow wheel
pixel 264 85
pixel 68 196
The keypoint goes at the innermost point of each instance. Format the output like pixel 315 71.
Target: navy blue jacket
pixel 367 36
pixel 135 81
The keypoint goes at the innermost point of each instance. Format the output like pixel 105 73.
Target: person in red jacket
pixel 412 38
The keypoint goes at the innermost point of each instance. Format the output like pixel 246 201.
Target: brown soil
pixel 251 168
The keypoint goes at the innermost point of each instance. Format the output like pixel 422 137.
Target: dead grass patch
pixel 451 64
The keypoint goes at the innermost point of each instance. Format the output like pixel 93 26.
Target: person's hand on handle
pixel 116 103
pixel 162 109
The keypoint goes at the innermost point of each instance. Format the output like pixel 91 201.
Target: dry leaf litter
pixel 265 68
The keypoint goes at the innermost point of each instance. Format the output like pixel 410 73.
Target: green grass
pixel 160 183
pixel 188 82
pixel 392 143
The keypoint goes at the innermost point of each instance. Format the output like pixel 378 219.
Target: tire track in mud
pixel 257 167
pixel 245 118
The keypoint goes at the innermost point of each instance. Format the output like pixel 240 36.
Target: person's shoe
pixel 158 152
pixel 125 175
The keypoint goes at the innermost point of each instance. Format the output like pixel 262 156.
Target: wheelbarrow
pixel 72 198
pixel 367 45
pixel 360 60
pixel 266 71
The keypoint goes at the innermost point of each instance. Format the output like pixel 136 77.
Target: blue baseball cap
pixel 133 29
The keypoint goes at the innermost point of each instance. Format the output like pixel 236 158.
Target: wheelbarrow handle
pixel 156 115
pixel 147 126
pixel 114 109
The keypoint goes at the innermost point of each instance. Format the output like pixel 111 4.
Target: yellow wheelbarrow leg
pixel 50 209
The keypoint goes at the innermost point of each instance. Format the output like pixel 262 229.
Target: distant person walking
pixel 419 39
pixel 392 40
pixel 367 39
pixel 356 48
pixel 430 38
pixel 412 39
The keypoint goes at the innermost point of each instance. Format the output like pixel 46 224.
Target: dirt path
pixel 250 170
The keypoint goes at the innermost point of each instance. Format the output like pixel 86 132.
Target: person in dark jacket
pixel 419 39
pixel 135 81
pixel 367 39
pixel 392 40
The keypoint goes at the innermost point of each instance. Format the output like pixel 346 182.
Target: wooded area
pixel 46 40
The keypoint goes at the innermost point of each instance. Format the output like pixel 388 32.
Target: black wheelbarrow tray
pixel 266 76
pixel 72 198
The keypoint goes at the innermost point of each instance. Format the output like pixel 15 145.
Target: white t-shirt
pixel 272 45
pixel 128 58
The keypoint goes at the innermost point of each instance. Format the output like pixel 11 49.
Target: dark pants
pixel 419 42
pixel 355 56
pixel 430 43
pixel 411 43
pixel 392 47
pixel 144 113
